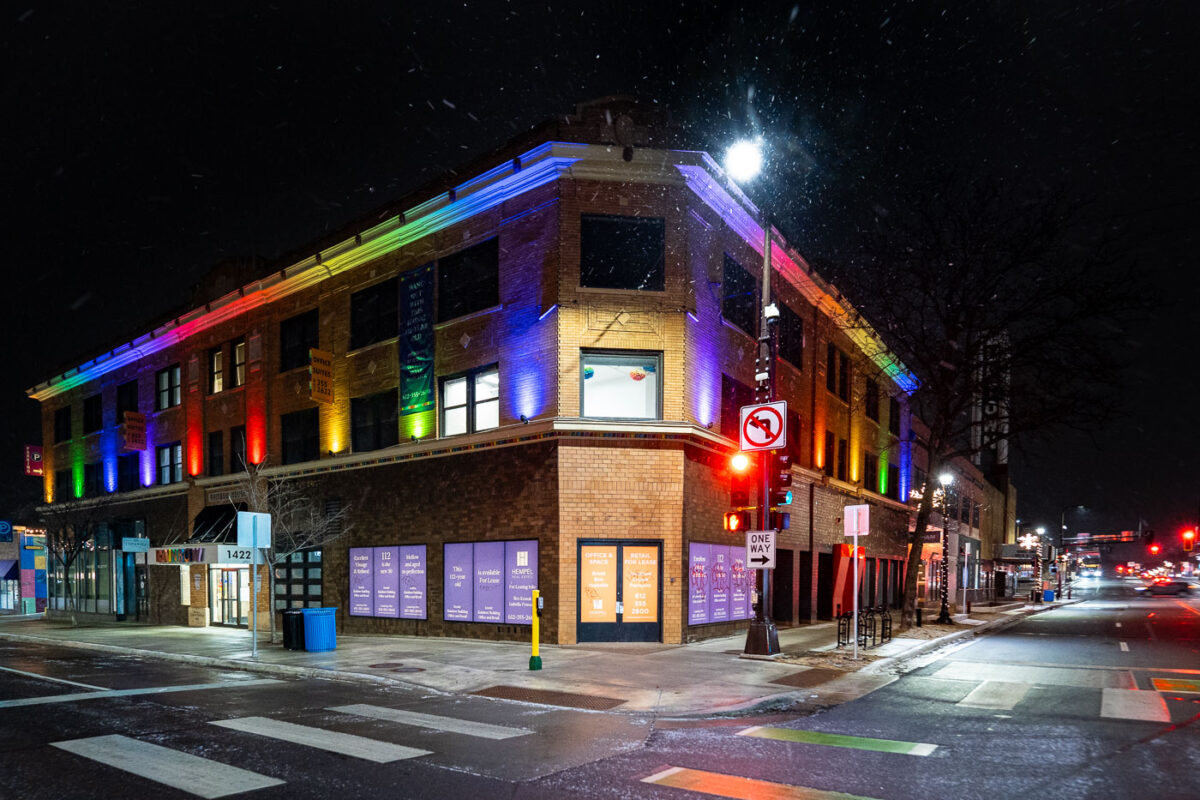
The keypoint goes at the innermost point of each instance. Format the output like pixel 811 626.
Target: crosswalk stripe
pixel 1132 704
pixel 1037 675
pixel 184 771
pixel 997 695
pixel 735 786
pixel 334 741
pixel 1124 646
pixel 840 740
pixel 432 721
pixel 194 687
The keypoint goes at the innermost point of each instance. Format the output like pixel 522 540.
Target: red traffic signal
pixel 1189 539
pixel 736 521
pixel 1155 549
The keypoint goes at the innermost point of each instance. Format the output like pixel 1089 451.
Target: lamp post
pixel 1064 563
pixel 743 162
pixel 1033 541
pixel 945 479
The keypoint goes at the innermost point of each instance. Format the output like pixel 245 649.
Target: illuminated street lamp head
pixel 744 159
pixel 1041 531
pixel 945 479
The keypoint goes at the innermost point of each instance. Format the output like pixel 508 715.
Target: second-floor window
pixel 374 314
pixel 127 399
pixel 893 486
pixel 740 305
pixel 374 422
pixel 93 479
pixel 127 473
pixel 870 476
pixel 296 336
pixel 842 457
pixel 166 386
pixel 871 401
pixel 791 337
pixel 617 252
pixel 216 370
pixel 471 401
pixel 829 453
pixel 622 385
pixel 469 280
pixel 894 415
pixel 216 453
pixel 237 352
pixel 237 448
pixel 300 432
pixel 64 485
pixel 170 463
pixel 93 414
pixel 62 424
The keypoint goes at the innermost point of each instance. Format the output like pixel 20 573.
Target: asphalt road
pixel 1095 700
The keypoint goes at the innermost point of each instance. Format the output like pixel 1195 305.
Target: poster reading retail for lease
pixel 459 581
pixel 639 583
pixel 362 584
pixel 520 566
pixel 412 582
pixel 387 581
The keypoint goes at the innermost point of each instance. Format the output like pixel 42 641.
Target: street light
pixel 945 479
pixel 743 162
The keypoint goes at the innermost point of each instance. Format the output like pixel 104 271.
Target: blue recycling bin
pixel 320 630
pixel 1048 595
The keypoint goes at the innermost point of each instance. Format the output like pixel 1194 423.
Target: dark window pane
pixel 843 376
pixel 740 303
pixel 734 395
pixel 374 421
pixel 469 280
pixel 93 414
pixel 62 424
pixel 622 252
pixel 301 436
pixel 64 485
pixel 893 487
pixel 872 400
pixel 791 337
pixel 893 416
pixel 296 336
pixel 841 460
pixel 127 473
pixel 127 399
pixel 216 453
pixel 829 453
pixel 93 480
pixel 374 314
pixel 237 448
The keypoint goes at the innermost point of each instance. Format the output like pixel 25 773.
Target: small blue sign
pixel 5 531
pixel 133 544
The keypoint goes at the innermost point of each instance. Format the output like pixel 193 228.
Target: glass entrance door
pixel 230 595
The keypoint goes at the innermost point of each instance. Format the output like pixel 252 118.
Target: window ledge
pixel 622 292
pixel 481 313
pixel 381 343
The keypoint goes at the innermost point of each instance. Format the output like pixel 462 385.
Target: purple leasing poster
pixel 698 558
pixel 412 581
pixel 718 583
pixel 521 570
pixel 739 584
pixel 489 581
pixel 459 581
pixel 362 586
pixel 387 581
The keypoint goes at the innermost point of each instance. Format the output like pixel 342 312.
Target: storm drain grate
pixel 809 677
pixel 549 698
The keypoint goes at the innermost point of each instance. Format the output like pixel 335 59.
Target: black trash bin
pixel 293 629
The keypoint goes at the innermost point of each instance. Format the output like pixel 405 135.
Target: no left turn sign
pixel 764 426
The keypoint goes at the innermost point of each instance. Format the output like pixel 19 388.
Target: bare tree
pixel 1007 310
pixel 300 519
pixel 71 528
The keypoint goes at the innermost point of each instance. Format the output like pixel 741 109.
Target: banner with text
pixel 719 583
pixel 388 582
pixel 490 581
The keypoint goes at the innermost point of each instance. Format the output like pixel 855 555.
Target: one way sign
pixel 760 549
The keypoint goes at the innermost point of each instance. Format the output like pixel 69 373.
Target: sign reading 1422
pixel 764 426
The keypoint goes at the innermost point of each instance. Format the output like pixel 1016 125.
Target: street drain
pixel 549 698
pixel 809 677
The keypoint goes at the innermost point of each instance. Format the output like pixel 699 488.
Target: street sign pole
pixel 856 519
pixel 854 555
pixel 254 590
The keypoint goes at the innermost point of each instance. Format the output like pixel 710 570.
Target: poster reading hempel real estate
pixel 490 581
pixel 719 583
pixel 388 582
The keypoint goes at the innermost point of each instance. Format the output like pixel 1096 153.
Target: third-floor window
pixel 469 280
pixel 374 314
pixel 740 305
pixel 871 401
pixel 166 386
pixel 618 252
pixel 93 414
pixel 216 370
pixel 62 424
pixel 297 335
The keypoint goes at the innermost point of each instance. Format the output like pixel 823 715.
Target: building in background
pixel 527 376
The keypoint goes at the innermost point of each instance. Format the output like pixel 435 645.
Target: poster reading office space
pixel 490 581
pixel 388 582
pixel 718 583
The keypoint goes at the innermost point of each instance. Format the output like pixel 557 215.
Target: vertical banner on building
pixel 489 581
pixel 698 563
pixel 412 582
pixel 320 375
pixel 416 341
pixel 719 580
pixel 639 583
pixel 134 435
pixel 33 461
pixel 362 584
pixel 459 581
pixel 386 563
pixel 598 593
pixel 740 581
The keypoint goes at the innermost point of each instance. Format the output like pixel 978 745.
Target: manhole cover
pixel 568 699
pixel 809 677
pixel 408 669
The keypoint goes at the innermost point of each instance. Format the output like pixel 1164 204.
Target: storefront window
pixel 298 581
pixel 622 385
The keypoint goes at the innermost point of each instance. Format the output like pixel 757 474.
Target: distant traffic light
pixel 1155 549
pixel 736 521
pixel 1189 539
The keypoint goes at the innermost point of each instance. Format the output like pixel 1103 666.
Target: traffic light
pixel 781 520
pixel 736 521
pixel 781 479
pixel 1155 549
pixel 1189 539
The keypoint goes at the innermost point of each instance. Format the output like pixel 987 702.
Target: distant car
pixel 1166 586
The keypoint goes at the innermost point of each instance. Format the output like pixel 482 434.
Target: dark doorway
pixel 824 585
pixel 804 587
pixel 872 577
pixel 781 603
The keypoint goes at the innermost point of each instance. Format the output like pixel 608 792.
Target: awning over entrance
pixel 216 523
pixel 9 571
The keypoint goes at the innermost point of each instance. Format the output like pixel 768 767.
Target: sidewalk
pixel 706 678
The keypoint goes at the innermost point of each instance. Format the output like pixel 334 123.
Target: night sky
pixel 144 144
